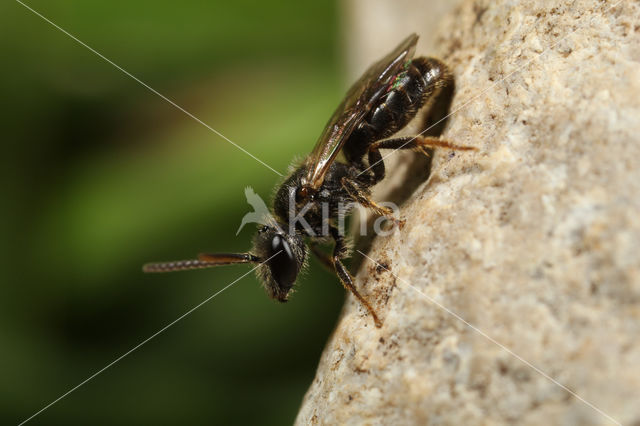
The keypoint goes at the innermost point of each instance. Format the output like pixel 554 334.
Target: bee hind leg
pixel 419 142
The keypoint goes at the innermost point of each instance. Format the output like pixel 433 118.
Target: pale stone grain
pixel 534 239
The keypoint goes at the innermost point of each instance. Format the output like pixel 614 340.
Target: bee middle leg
pixel 419 142
pixel 323 257
pixel 339 252
pixel 358 194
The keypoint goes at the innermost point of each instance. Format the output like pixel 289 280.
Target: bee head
pixel 286 253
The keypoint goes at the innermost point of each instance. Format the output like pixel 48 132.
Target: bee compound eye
pixel 283 265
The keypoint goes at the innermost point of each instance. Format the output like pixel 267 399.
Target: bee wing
pixel 359 100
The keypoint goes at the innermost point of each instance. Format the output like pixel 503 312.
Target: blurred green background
pixel 101 175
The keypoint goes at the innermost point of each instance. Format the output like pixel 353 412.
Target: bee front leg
pixel 339 252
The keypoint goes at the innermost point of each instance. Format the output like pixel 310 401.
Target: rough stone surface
pixel 534 239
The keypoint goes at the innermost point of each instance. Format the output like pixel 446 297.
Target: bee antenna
pixel 204 260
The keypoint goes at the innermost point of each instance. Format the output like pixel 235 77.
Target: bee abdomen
pixel 435 77
pixel 418 85
pixel 422 81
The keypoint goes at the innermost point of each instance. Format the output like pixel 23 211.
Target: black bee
pixel 311 200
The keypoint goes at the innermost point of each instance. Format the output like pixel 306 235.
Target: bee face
pixel 286 253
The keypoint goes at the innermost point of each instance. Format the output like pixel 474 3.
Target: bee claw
pixel 425 151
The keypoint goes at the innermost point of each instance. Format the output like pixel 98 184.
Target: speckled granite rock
pixel 534 239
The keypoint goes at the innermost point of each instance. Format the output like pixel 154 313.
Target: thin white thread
pixel 491 339
pixel 479 94
pixel 151 89
pixel 143 342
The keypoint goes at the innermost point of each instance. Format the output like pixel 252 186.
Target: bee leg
pixel 362 197
pixel 421 143
pixel 323 257
pixel 416 142
pixel 339 252
pixel 376 164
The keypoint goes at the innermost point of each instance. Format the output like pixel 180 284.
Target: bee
pixel 310 200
